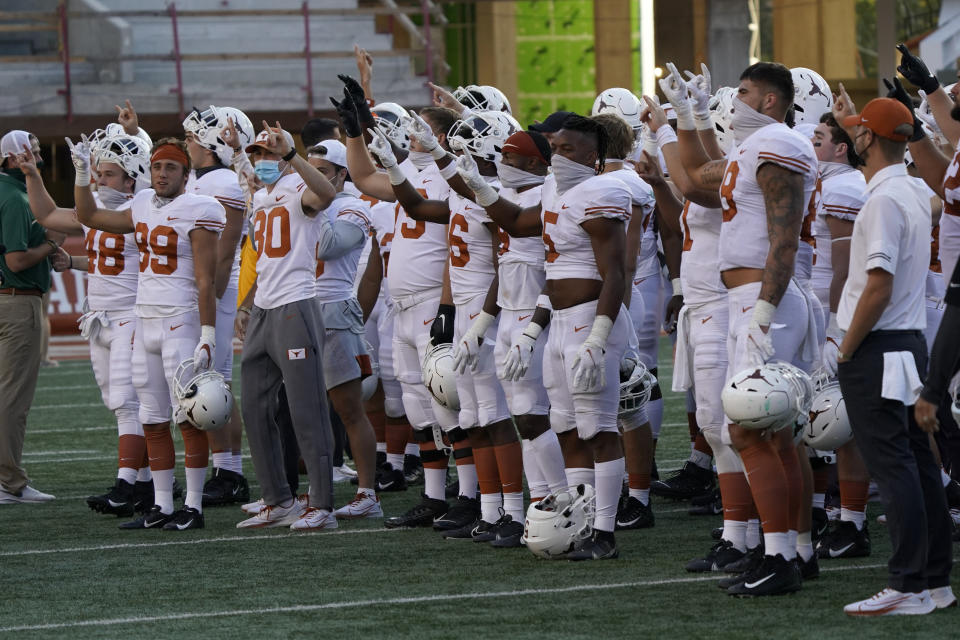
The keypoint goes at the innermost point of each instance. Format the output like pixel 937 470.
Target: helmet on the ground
pixel 560 522
pixel 439 376
pixel 775 394
pixel 829 426
pixel 203 397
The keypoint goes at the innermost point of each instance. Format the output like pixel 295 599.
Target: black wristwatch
pixel 289 156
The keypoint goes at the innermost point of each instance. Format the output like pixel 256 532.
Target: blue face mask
pixel 268 171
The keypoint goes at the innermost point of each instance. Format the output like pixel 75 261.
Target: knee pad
pixel 724 456
pixel 632 420
pixel 417 407
pixel 393 407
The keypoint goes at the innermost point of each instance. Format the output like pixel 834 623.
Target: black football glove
pixel 441 331
pixel 898 93
pixel 353 88
pixel 915 70
pixel 348 115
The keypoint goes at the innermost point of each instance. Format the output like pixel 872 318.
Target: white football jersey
pixel 647 262
pixel 471 249
pixel 743 236
pixel 419 249
pixel 113 268
pixel 521 271
pixel 167 283
pixel 700 259
pixel 286 241
pixel 525 250
pixel 335 278
pixel 223 185
pixel 569 250
pixel 842 192
pixel 382 217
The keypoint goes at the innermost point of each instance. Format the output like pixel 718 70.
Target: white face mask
pixel 746 120
pixel 568 173
pixel 111 198
pixel 421 159
pixel 513 178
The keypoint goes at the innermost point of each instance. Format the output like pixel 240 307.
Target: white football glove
pixel 759 347
pixel 203 354
pixel 831 348
pixel 674 87
pixel 466 353
pixel 380 147
pixel 699 86
pixel 420 131
pixel 518 358
pixel 924 114
pixel 80 155
pixel 467 168
pixel 589 366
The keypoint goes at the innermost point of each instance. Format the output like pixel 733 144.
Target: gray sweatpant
pixel 285 345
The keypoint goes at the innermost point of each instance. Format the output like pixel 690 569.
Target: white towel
pixel 91 321
pixel 810 348
pixel 901 382
pixel 681 360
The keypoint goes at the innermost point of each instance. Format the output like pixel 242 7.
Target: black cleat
pixel 412 469
pixel 600 546
pixel 225 487
pixel 774 576
pixel 142 496
pixel 461 533
pixel 689 482
pixel 485 531
pixel 738 569
pixel 118 500
pixel 420 515
pixel 708 504
pixel 463 512
pixel 716 533
pixel 819 525
pixel 844 541
pixel 186 518
pixel 390 479
pixel 719 556
pixel 633 514
pixel 152 519
pixel 509 534
pixel 809 570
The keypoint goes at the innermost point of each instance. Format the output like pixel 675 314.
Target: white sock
pixel 434 483
pixel 643 495
pixel 381 447
pixel 127 474
pixel 368 492
pixel 467 477
pixel 221 460
pixel 580 475
pixel 195 478
pixel 531 469
pixel 609 478
pixel 413 449
pixel 395 460
pixel 144 475
pixel 735 532
pixel 490 504
pixel 753 533
pixel 236 462
pixel 550 457
pixel 779 544
pixel 818 500
pixel 858 518
pixel 700 459
pixel 513 505
pixel 163 490
pixel 804 546
pixel 944 477
pixel 655 414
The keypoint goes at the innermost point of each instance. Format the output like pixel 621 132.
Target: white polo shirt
pixel 891 232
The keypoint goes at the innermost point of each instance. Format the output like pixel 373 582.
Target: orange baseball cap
pixel 882 116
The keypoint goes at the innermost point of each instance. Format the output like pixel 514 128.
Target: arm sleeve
pixel 945 354
pixel 338 238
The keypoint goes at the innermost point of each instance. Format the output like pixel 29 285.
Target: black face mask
pixel 16 174
pixel 39 164
pixel 955 112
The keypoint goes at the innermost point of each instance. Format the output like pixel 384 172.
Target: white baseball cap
pixel 14 142
pixel 332 151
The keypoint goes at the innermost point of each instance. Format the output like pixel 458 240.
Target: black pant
pixel 898 456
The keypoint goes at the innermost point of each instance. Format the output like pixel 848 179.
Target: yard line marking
pixel 59 452
pixel 112 456
pixel 111 427
pixel 352 604
pixel 81 405
pixel 66 387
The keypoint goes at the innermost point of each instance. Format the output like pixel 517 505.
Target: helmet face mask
pixel 636 390
pixel 206 126
pixel 483 134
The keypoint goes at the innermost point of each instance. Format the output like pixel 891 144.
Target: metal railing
pixel 38 21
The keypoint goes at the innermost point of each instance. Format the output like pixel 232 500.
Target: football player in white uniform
pixel 210 156
pixel 764 187
pixel 177 233
pixel 122 165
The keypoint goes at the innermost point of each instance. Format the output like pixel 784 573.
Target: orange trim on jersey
pixel 789 162
pixel 359 214
pixel 841 208
pixel 594 211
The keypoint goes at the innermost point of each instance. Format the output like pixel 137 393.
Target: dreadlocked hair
pixel 593 128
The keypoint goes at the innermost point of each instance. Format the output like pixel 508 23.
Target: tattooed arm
pixel 783 196
pixel 707 176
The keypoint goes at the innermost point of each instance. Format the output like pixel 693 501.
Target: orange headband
pixel 170 152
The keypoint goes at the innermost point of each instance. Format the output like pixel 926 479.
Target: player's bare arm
pixel 608 240
pixel 369 288
pixel 783 197
pixel 490 302
pixel 227 248
pixel 204 246
pixel 44 209
pixel 87 211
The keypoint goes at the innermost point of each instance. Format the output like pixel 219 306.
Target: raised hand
pixel 80 155
pixel 229 135
pixel 276 141
pixel 443 98
pixel 915 70
pixel 419 130
pixel 26 162
pixel 470 173
pixel 700 89
pixel 349 118
pixel 127 117
pixel 381 148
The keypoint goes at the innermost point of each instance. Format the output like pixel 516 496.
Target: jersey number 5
pixel 550 217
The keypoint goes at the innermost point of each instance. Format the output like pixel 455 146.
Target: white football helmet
pixel 439 376
pixel 206 125
pixel 829 427
pixel 368 386
pixel 811 96
pixel 560 522
pixel 392 120
pixel 203 397
pixel 482 134
pixel 130 153
pixel 482 97
pixel 635 391
pixel 775 395
pixel 721 110
pixel 621 102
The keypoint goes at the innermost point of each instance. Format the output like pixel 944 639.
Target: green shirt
pixel 19 231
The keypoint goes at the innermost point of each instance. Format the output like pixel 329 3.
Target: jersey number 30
pixel 272 232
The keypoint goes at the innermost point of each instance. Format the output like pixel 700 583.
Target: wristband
pixel 486 196
pixel 543 301
pixel 448 171
pixel 289 156
pixel 703 121
pixel 208 333
pixel 438 152
pixel 677 290
pixel 602 325
pixel 397 177
pixel 483 322
pixel 82 178
pixel 54 246
pixel 71 262
pixel 533 331
pixel 246 310
pixel 665 135
pixel 763 313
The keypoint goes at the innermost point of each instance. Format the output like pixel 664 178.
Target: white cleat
pixel 27 495
pixel 273 516
pixel 891 602
pixel 364 505
pixel 253 508
pixel 314 518
pixel 943 597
